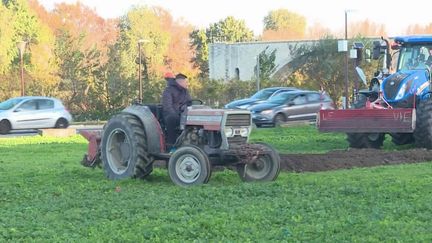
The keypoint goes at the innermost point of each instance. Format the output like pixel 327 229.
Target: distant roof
pixel 414 39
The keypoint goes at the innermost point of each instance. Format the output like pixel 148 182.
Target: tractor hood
pixel 404 84
pixel 213 119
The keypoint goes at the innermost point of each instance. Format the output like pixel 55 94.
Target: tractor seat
pixel 157 111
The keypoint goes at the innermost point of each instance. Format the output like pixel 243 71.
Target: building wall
pixel 225 58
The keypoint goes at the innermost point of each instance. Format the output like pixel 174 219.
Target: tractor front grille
pixel 238 120
pixel 236 140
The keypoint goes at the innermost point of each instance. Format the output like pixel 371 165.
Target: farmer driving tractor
pixel 174 99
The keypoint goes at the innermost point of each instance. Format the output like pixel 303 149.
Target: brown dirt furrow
pixel 346 159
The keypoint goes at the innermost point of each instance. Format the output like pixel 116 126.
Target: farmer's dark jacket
pixel 174 98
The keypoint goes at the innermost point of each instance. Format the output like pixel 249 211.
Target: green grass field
pixel 47 196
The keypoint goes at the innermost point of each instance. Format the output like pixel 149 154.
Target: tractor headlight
pixel 401 92
pixel 244 131
pixel 229 132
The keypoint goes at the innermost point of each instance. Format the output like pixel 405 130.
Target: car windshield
pixel 415 57
pixel 8 104
pixel 282 98
pixel 263 94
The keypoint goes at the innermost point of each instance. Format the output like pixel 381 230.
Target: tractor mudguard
pixel 153 130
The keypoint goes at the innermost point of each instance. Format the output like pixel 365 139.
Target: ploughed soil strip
pixel 346 159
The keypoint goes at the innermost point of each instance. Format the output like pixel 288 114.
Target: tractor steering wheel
pixel 196 102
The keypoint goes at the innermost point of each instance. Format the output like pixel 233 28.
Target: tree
pixel 40 68
pixel 7 40
pixel 318 31
pixel 319 66
pixel 200 42
pixel 366 28
pixel 229 30
pixel 419 29
pixel 143 23
pixel 226 30
pixel 83 22
pixel 284 24
pixel 266 64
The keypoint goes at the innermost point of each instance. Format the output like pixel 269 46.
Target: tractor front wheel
pixel 189 165
pixel 124 148
pixel 265 168
pixel 423 131
pixel 366 140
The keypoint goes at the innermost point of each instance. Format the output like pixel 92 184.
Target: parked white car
pixel 33 112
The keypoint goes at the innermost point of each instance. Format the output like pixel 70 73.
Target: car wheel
pixel 5 127
pixel 61 123
pixel 279 119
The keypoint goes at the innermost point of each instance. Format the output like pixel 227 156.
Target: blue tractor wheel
pixel 423 131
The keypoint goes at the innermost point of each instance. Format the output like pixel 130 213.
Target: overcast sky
pixel 396 15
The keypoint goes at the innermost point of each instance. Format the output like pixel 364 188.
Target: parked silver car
pixel 290 105
pixel 33 112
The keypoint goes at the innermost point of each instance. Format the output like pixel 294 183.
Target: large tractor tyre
pixel 402 138
pixel 265 168
pixel 124 148
pixel 364 140
pixel 188 166
pixel 423 131
pixel 5 127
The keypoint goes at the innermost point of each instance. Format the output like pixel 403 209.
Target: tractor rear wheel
pixel 265 168
pixel 402 138
pixel 364 140
pixel 423 130
pixel 189 165
pixel 124 148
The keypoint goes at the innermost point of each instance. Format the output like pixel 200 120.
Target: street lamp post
pixel 140 42
pixel 346 58
pixel 346 61
pixel 21 47
pixel 258 72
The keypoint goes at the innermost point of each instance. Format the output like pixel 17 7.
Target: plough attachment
pixel 398 120
pixel 92 158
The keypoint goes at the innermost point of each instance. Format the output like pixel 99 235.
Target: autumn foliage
pixel 91 63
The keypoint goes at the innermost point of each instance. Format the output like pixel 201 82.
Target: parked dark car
pixel 290 105
pixel 258 97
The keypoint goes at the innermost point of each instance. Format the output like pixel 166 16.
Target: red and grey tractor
pixel 134 139
pixel 399 104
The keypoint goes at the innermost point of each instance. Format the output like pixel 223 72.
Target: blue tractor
pixel 398 104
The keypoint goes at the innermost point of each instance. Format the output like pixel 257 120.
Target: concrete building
pixel 228 61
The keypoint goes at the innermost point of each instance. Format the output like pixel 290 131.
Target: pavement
pixel 34 132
